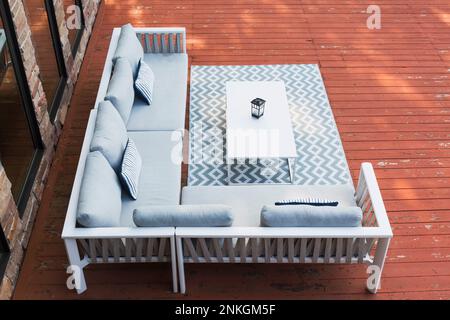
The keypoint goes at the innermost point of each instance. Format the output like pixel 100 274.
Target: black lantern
pixel 258 105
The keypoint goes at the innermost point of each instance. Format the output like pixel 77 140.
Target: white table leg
pixel 291 169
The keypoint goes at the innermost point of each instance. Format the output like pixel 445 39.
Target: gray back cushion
pixel 99 203
pixel 121 88
pixel 110 135
pixel 211 215
pixel 129 47
pixel 310 216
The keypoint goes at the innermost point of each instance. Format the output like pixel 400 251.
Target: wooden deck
pixel 390 93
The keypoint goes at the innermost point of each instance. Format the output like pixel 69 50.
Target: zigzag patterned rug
pixel 321 158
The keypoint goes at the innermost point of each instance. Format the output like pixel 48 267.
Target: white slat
pixel 310 247
pixel 317 243
pixel 116 249
pixel 128 249
pixel 349 250
pixel 92 251
pixel 218 249
pixel 148 48
pixel 179 43
pixel 339 250
pixel 84 245
pixel 155 43
pixel 150 244
pixel 242 250
pixel 230 248
pixel 267 249
pixel 361 249
pixel 205 250
pixel 328 250
pixel 255 251
pixel 191 249
pixel 162 247
pixel 105 253
pixel 303 250
pixel 291 250
pixel 170 40
pixel 139 243
pixel 162 39
pixel 280 250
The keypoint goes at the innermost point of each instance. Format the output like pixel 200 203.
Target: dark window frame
pixel 27 105
pixel 80 32
pixel 56 41
pixel 4 252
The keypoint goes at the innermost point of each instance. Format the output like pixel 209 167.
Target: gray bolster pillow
pixel 310 216
pixel 211 215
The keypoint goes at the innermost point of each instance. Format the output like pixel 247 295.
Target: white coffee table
pixel 268 137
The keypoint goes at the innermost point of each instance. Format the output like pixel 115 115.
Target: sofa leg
pixel 374 280
pixel 173 260
pixel 181 265
pixel 76 266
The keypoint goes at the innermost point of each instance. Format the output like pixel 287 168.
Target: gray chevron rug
pixel 321 159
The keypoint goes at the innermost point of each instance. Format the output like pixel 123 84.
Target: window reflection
pixel 45 52
pixel 16 144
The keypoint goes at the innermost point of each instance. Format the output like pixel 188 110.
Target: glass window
pixel 16 144
pixel 20 141
pixel 74 22
pixel 48 50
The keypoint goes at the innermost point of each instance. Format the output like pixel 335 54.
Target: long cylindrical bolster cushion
pixel 310 216
pixel 207 215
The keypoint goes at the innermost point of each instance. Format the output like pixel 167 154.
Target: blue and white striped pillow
pixel 144 82
pixel 308 201
pixel 131 168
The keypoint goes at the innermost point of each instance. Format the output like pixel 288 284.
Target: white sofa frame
pixel 296 245
pixel 85 246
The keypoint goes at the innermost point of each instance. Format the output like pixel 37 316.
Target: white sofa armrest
pixel 368 197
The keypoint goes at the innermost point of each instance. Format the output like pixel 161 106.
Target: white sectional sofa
pixel 156 130
pixel 204 224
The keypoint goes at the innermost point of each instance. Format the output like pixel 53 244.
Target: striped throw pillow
pixel 308 201
pixel 131 169
pixel 144 82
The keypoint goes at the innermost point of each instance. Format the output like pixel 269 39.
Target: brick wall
pixel 18 230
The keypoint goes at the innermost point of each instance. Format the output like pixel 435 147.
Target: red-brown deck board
pixel 390 94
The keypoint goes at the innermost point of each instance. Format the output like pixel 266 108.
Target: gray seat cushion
pixel 168 108
pixel 310 216
pixel 129 47
pixel 110 135
pixel 99 203
pixel 160 178
pixel 212 215
pixel 121 88
pixel 247 201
